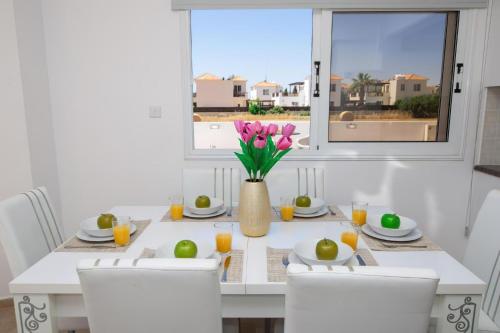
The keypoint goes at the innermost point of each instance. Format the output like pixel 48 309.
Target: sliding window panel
pixel 251 65
pixel 391 76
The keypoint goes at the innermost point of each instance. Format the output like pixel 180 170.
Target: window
pixel 403 49
pixel 237 74
pixel 341 86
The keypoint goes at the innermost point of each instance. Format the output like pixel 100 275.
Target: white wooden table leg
pixel 35 313
pixel 458 313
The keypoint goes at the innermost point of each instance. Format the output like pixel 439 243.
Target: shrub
pixel 255 108
pixel 425 106
pixel 277 109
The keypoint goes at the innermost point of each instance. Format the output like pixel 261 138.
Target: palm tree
pixel 360 85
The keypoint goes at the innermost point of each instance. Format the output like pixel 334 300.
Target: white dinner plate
pixel 316 205
pixel 413 235
pixel 80 234
pixel 319 213
pixel 215 206
pixel 406 226
pixel 294 259
pixel 306 251
pixel 205 250
pixel 187 213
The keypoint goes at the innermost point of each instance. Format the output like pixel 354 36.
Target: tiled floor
pixel 8 321
pixel 7 317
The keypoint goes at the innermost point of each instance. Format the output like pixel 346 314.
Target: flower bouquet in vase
pixel 259 154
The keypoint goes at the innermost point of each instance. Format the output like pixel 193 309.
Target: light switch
pixel 155 111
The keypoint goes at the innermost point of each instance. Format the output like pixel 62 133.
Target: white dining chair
pixel 151 295
pixel 358 299
pixel 482 257
pixel 222 183
pixel 28 229
pixel 294 182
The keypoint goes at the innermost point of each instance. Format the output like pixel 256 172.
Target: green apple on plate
pixel 326 249
pixel 303 201
pixel 202 201
pixel 105 221
pixel 185 249
pixel 390 221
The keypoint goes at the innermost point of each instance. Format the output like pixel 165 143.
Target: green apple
pixel 105 221
pixel 185 249
pixel 390 221
pixel 303 201
pixel 202 201
pixel 326 249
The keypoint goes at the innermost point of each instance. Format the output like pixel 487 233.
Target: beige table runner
pixel 74 244
pixel 235 272
pixel 276 270
pixel 339 216
pixel 422 244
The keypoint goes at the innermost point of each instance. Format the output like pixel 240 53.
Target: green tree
pixel 360 85
pixel 277 109
pixel 424 106
pixel 255 108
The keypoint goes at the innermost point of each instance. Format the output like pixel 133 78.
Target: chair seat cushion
pixel 486 325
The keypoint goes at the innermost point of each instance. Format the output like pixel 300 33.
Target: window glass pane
pixel 250 65
pixel 395 71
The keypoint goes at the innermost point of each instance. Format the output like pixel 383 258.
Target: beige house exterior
pixel 213 91
pixel 335 89
pixel 407 85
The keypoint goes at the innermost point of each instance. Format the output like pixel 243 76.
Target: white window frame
pixel 469 38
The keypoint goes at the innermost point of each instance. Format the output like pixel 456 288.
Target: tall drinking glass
pixel 121 231
pixel 359 212
pixel 176 207
pixel 287 208
pixel 223 236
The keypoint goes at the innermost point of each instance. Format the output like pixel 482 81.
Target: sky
pixel 276 44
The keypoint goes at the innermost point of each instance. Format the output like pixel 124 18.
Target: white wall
pixel 15 171
pixel 108 60
pixel 35 84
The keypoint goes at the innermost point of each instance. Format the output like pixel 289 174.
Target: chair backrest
pixel 295 182
pixel 482 255
pixel 222 183
pixel 363 299
pixel 151 295
pixel 28 229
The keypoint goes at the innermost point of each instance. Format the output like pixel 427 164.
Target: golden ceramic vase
pixel 254 209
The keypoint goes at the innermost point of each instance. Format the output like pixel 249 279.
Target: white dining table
pixel 50 289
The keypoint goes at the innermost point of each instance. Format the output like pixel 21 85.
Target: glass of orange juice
pixel 121 231
pixel 223 236
pixel 286 208
pixel 350 238
pixel 359 213
pixel 176 207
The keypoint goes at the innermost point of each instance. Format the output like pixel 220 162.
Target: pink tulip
pixel 284 143
pixel 288 130
pixel 257 127
pixel 272 129
pixel 240 125
pixel 246 137
pixel 260 141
